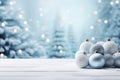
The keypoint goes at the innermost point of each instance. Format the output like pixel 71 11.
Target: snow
pixel 52 69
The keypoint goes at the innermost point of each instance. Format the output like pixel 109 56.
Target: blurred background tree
pixel 15 35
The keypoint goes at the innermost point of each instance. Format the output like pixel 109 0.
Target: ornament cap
pixel 118 51
pixel 84 53
pixel 87 40
pixel 96 51
pixel 109 39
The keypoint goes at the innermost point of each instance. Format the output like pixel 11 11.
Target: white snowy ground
pixel 52 69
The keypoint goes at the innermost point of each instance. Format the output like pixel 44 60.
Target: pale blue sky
pixel 79 13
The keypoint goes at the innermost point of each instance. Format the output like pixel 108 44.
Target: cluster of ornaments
pixel 99 55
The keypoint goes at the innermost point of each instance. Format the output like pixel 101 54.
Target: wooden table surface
pixel 52 69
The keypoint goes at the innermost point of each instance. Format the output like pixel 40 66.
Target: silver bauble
pixel 81 59
pixel 109 61
pixel 97 47
pixel 85 46
pixel 116 57
pixel 110 47
pixel 96 61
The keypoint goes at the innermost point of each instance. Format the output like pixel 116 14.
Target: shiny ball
pixel 96 61
pixel 116 57
pixel 109 61
pixel 97 48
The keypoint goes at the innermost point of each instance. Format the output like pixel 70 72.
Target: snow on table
pixel 52 69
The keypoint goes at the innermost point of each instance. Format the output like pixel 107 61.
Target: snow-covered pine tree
pixel 107 23
pixel 15 39
pixel 101 24
pixel 72 42
pixel 44 38
pixel 113 31
pixel 58 46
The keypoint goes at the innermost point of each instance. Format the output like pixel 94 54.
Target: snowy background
pixel 42 13
pixel 75 16
pixel 55 29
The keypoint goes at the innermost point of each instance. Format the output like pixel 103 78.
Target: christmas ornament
pixel 96 60
pixel 110 47
pixel 85 46
pixel 97 47
pixel 109 61
pixel 81 59
pixel 116 57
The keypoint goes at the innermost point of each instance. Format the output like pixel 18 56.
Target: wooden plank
pixel 52 69
pixel 54 76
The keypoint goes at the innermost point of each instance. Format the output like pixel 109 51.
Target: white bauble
pixel 110 47
pixel 100 42
pixel 77 54
pixel 97 47
pixel 97 61
pixel 81 59
pixel 85 46
pixel 116 57
pixel 109 61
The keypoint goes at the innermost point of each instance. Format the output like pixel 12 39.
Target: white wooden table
pixel 52 69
